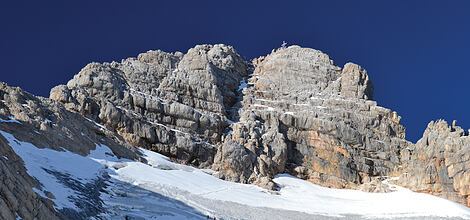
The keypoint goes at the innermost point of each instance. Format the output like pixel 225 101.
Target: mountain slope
pixel 292 114
pixel 139 190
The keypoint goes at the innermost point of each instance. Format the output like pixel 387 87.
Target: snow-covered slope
pixel 102 185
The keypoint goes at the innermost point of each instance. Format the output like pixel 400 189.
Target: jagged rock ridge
pixel 174 104
pixel 303 115
pixel 438 163
pixel 293 111
pixel 299 113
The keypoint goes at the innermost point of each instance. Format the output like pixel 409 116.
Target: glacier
pixel 103 186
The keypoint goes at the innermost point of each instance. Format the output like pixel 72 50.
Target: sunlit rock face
pixel 293 111
pixel 304 115
pixel 439 163
pixel 173 103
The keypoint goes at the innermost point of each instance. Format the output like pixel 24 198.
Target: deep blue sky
pixel 416 52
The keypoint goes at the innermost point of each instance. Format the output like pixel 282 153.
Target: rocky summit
pixel 293 112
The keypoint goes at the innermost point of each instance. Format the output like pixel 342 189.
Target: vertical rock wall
pixel 438 163
pixel 174 104
pixel 304 115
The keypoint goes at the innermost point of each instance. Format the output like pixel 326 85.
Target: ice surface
pixel 295 194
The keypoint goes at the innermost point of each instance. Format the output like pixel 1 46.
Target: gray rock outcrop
pixel 303 115
pixel 174 104
pixel 355 82
pixel 438 163
pixel 299 113
pixel 293 111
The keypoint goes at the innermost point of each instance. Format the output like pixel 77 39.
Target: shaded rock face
pixel 304 115
pixel 46 124
pixel 438 163
pixel 174 104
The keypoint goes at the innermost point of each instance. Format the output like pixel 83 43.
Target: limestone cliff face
pixel 438 163
pixel 174 104
pixel 293 111
pixel 304 115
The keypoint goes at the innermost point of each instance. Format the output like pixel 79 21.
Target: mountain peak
pixel 292 112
